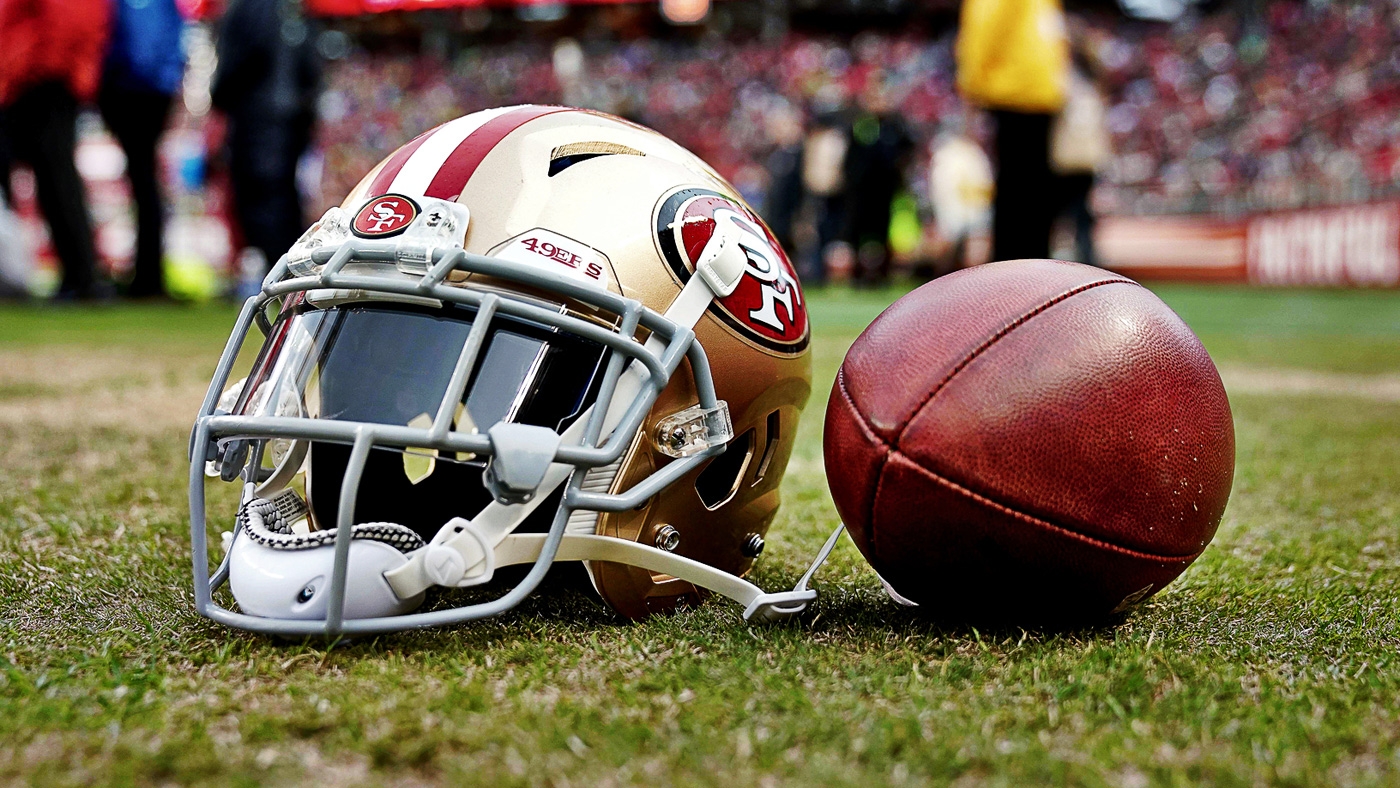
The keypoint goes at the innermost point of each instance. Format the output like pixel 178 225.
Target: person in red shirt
pixel 51 61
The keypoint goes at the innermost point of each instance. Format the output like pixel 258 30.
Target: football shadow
pixel 870 613
pixel 565 604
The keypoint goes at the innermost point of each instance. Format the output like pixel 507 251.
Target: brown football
pixel 1030 441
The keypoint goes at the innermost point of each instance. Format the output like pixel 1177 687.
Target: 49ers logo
pixel 767 306
pixel 386 215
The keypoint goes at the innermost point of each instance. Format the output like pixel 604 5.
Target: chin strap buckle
pixel 694 430
pixel 780 606
pixel 460 555
pixel 446 564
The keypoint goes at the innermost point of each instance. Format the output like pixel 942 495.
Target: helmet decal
pixel 385 216
pixel 767 307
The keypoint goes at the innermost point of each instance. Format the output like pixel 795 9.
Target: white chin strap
pixel 382 581
pixel 285 583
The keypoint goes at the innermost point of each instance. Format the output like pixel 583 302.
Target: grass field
pixel 1274 660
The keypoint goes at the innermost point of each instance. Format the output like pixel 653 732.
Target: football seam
pixel 1033 520
pixel 890 451
pixel 992 340
pixel 893 448
pixel 869 431
pixel 959 367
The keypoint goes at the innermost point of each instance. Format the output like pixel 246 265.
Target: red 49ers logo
pixel 767 306
pixel 386 215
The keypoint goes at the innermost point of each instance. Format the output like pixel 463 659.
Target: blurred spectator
pixel 785 192
pixel 15 260
pixel 267 84
pixel 874 171
pixel 823 154
pixel 141 76
pixel 960 190
pixel 14 257
pixel 1078 148
pixel 1013 58
pixel 51 60
pixel 6 165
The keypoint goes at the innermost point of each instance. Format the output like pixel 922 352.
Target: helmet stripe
pixel 385 177
pixel 418 169
pixel 449 180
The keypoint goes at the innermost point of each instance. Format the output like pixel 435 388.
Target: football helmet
pixel 532 334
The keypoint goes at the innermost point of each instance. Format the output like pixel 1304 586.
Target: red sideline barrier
pixel 1350 246
pixel 1172 247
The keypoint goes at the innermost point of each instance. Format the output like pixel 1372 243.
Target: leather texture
pixel 1029 440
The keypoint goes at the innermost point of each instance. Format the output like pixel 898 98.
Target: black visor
pixel 389 363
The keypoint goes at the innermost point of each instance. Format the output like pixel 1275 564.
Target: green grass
pixel 1275 659
pixel 1341 331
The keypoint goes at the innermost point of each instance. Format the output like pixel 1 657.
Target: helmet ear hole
pixel 720 480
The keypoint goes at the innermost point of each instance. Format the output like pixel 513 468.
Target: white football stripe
pixel 418 171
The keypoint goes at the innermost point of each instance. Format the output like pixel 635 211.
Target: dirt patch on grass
pixel 79 388
pixel 82 388
pixel 1294 382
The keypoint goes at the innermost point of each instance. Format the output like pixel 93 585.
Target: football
pixel 1030 441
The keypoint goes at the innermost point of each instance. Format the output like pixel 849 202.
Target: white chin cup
pixel 296 583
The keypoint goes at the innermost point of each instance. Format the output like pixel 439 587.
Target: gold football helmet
pixel 531 334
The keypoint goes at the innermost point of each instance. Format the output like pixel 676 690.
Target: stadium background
pixel 1274 661
pixel 1251 141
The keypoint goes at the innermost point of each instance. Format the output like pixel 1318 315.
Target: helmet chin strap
pixel 758 604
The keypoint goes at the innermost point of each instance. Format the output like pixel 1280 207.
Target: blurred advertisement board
pixel 1348 246
pixel 1357 245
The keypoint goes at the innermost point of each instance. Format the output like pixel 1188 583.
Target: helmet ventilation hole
pixel 771 434
pixel 566 156
pixel 720 480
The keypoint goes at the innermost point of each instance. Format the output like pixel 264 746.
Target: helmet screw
pixel 753 546
pixel 677 438
pixel 668 538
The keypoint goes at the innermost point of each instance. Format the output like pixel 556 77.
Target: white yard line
pixel 1302 382
pixel 82 388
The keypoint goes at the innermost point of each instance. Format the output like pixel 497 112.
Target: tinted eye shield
pixel 520 457
pixel 677 343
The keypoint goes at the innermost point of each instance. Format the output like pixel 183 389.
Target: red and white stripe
pixel 439 162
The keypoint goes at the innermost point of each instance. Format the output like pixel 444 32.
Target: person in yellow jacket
pixel 1013 59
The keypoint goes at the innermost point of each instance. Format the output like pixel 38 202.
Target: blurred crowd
pixel 726 101
pixel 738 106
pixel 1213 113
pixel 1300 105
pixel 858 149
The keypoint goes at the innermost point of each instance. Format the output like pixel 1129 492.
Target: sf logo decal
pixel 777 285
pixel 767 307
pixel 385 216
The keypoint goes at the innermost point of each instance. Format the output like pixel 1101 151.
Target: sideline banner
pixel 1357 245
pixel 1348 246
